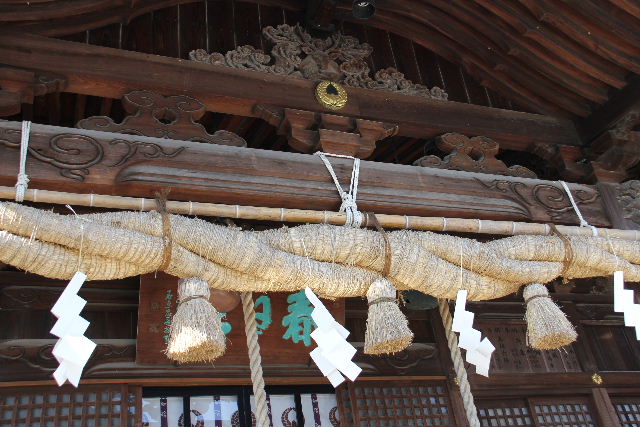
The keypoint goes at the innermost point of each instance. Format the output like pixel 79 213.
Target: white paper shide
pixel 624 302
pixel 73 349
pixel 333 354
pixel 478 351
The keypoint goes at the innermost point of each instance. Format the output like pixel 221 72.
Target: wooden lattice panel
pixel 87 406
pixel 573 412
pixel 512 354
pixel 512 412
pixel 628 410
pixel 391 404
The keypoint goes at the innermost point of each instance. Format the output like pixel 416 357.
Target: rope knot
pixel 348 202
pixel 348 206
pixel 23 179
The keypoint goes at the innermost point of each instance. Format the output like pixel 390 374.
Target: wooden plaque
pixel 158 301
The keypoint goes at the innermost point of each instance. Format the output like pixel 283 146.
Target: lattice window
pixel 573 414
pixel 510 412
pixel 87 406
pixel 552 412
pixel 392 404
pixel 628 410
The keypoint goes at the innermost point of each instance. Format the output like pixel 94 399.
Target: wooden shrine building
pixel 469 109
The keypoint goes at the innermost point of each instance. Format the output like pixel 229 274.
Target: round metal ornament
pixel 331 95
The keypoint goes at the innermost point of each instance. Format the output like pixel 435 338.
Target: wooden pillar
pixel 605 411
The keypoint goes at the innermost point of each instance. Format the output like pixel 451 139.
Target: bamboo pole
pixel 456 225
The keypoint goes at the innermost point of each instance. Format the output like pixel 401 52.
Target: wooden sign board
pixel 283 319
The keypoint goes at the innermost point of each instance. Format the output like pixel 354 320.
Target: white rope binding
pixel 23 178
pixel 348 206
pixel 255 361
pixel 583 222
pixel 458 365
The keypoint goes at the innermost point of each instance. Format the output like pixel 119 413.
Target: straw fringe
pixel 547 326
pixel 387 327
pixel 196 330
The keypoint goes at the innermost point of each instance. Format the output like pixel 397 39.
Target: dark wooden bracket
pixel 20 86
pixel 477 154
pixel 173 117
pixel 308 131
pixel 568 160
pixel 617 150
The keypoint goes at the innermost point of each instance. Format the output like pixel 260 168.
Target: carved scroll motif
pixel 34 357
pixel 338 58
pixel 74 154
pixel 171 117
pixel 477 154
pixel 553 200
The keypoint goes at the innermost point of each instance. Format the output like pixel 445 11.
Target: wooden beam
pixel 88 161
pixel 100 71
pixel 606 116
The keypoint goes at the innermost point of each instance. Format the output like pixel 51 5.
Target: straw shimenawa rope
pixel 333 261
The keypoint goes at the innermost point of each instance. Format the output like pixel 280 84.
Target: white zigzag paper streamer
pixel 478 351
pixel 333 354
pixel 624 302
pixel 73 349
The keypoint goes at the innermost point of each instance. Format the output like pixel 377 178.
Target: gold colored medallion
pixel 596 378
pixel 331 95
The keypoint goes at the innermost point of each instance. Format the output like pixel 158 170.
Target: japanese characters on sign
pixel 283 322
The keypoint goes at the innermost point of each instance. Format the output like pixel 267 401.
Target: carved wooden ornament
pixel 337 58
pixel 172 117
pixel 477 154
pixel 308 131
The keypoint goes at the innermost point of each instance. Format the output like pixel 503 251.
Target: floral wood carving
pixel 159 116
pixel 629 198
pixel 338 58
pixel 477 154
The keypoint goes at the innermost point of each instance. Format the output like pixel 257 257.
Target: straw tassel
pixel 547 326
pixel 196 331
pixel 387 327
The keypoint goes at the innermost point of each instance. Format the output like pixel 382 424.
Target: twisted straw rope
pixel 458 365
pixel 255 361
pixel 333 261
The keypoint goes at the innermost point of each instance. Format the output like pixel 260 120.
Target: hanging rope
pixel 348 206
pixel 255 361
pixel 23 178
pixel 458 365
pixel 583 222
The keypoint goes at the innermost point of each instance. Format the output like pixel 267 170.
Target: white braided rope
pixel 458 364
pixel 348 206
pixel 23 178
pixel 583 222
pixel 255 361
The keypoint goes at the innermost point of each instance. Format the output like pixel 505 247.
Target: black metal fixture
pixel 364 9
